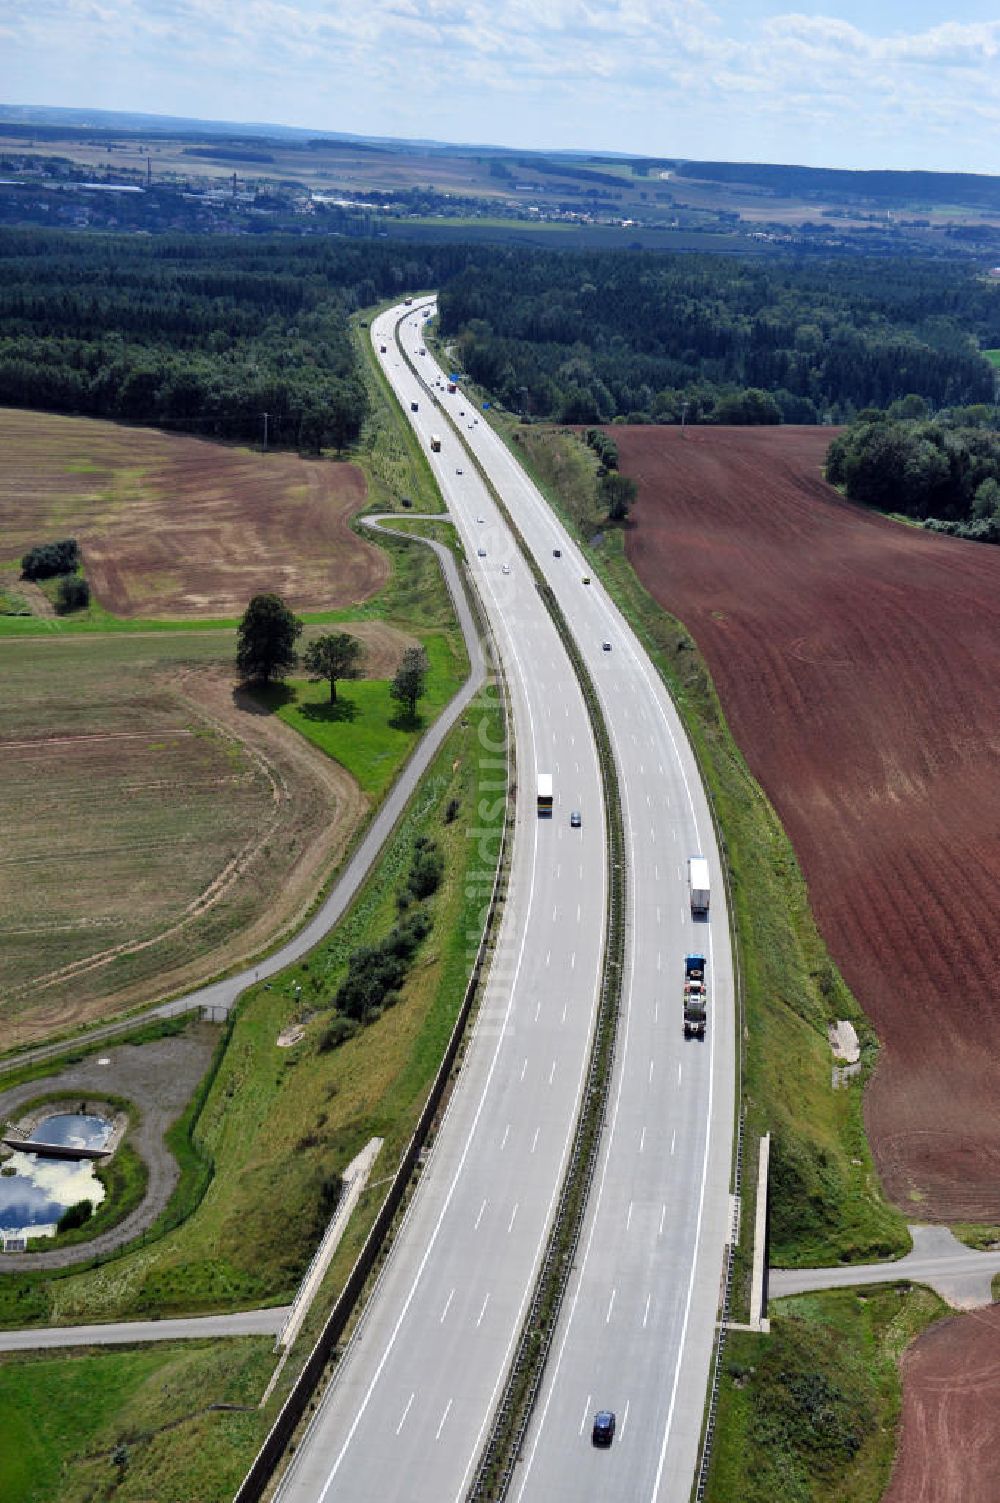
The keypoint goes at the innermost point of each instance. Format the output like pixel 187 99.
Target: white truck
pixel 698 882
pixel 545 795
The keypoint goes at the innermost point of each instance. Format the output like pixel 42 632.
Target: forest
pixel 650 338
pixel 944 471
pixel 208 333
pixel 199 333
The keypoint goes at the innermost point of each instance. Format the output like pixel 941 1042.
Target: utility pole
pixel 265 416
pixel 684 413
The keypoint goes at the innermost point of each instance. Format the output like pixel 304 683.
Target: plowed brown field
pixel 858 662
pixel 172 526
pixel 948 1449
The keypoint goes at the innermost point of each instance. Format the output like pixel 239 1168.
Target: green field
pixel 365 730
pixel 130 1424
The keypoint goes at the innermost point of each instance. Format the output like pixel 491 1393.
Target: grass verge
pixel 809 1413
pixel 129 1424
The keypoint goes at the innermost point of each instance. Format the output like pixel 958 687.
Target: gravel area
pixel 159 1078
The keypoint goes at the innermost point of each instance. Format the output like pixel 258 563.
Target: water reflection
pixel 33 1198
pixel 74 1130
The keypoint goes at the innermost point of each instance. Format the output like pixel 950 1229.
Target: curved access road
pixel 406 1414
pixel 637 1329
pixel 219 996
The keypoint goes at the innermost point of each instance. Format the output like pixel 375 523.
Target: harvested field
pixel 157 828
pixel 172 526
pixel 948 1450
pixel 858 662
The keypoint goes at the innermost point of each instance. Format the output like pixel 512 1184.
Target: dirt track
pixel 859 665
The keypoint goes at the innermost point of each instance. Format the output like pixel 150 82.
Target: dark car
pixel 604 1427
pixel 575 819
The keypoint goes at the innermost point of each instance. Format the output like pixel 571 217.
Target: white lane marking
pixel 656 1012
pixel 482 1312
pixel 611 1306
pixel 656 873
pixel 578 912
pixel 673 1140
pixel 628 1218
pixel 534 1141
pixel 447 1411
pixel 406 1411
pixel 548 957
pixel 625 1417
pixel 554 912
pixel 479 1218
pixel 645 1313
pixel 663 1214
pixel 552 1072
pixel 659 916
pixel 524 1067
pixel 678 874
pixel 659 960
pixel 506 1134
pixel 651 1072
pixel 583 1416
pixel 447 1307
pixel 642 1140
pixel 538 1008
pixel 679 1069
pixel 565 1005
pixel 513 1218
pixel 572 961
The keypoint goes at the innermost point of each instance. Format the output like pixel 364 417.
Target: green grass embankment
pixel 809 1412
pixel 129 1425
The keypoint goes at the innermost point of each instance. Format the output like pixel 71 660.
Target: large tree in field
pixel 265 639
pixel 335 656
pixel 411 679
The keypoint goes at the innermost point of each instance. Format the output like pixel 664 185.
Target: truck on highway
pixel 414 406
pixel 698 882
pixel 435 444
pixel 695 997
pixel 452 386
pixel 545 795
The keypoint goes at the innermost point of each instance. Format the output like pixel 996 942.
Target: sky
pixel 839 84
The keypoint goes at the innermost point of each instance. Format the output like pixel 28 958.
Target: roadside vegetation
pixel 165 1422
pixel 808 1414
pixel 826 1205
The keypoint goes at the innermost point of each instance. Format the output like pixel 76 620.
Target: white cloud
pixel 588 73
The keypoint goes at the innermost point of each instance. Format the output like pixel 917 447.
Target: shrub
pixel 48 559
pixel 74 1216
pixel 73 594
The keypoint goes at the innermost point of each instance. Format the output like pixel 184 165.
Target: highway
pixel 638 1325
pixel 407 1414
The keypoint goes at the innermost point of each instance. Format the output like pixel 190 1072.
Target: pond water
pixel 74 1130
pixel 34 1197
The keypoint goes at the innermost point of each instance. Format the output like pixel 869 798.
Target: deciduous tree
pixel 265 639
pixel 334 657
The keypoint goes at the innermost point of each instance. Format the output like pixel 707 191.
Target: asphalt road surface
pixel 408 1413
pixel 406 1416
pixel 638 1325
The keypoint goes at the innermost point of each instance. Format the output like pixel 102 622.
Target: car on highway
pixel 603 1432
pixel 505 569
pixel 480 519
pixel 606 646
pixel 458 469
pixel 481 552
pixel 586 579
pixel 557 553
pixel 575 819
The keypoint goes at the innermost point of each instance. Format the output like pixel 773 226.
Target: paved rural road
pixel 407 1415
pixel 220 996
pixel 201 1328
pixel 958 1274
